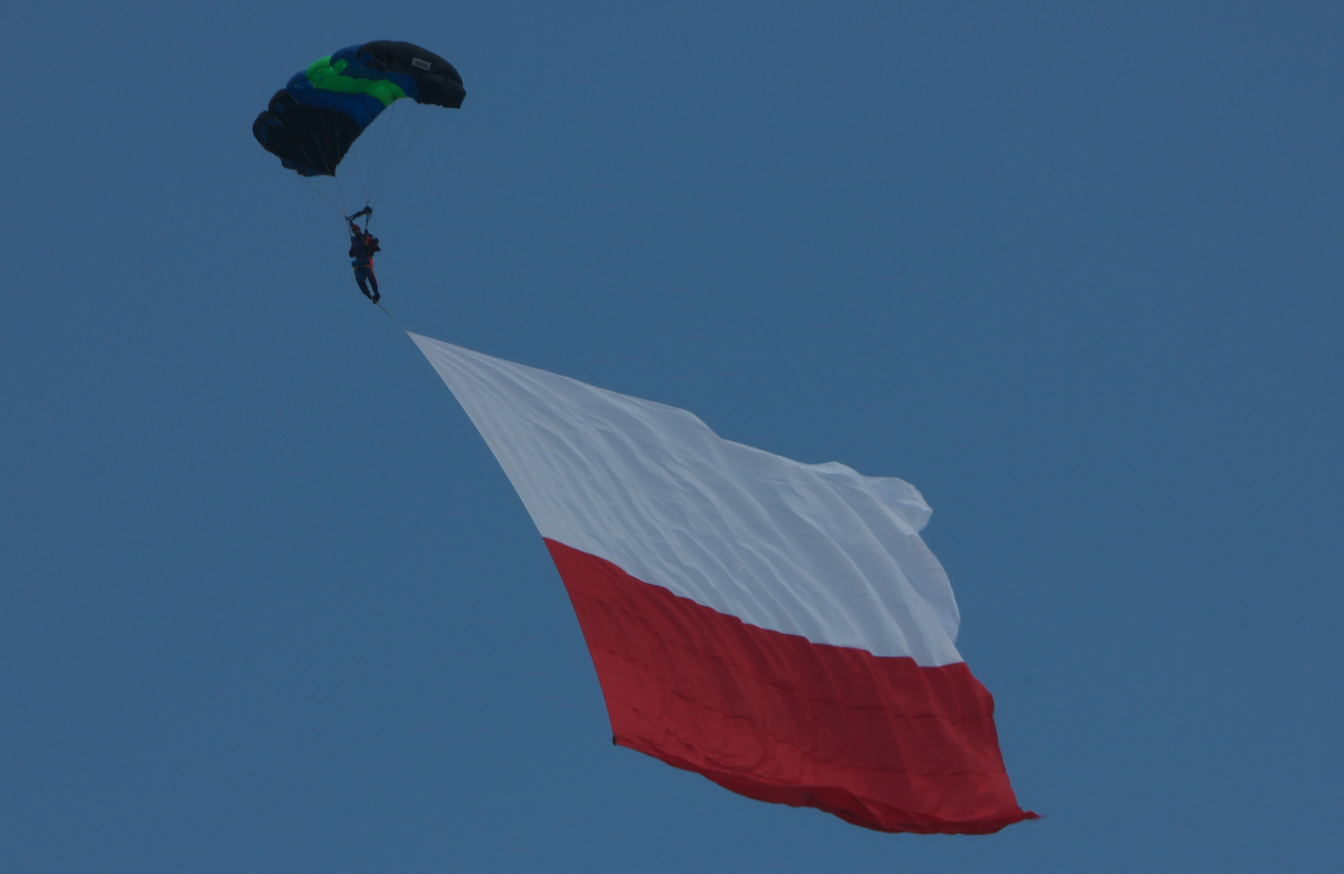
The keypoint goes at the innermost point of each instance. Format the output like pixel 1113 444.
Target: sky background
pixel 267 603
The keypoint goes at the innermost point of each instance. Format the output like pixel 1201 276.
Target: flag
pixel 778 627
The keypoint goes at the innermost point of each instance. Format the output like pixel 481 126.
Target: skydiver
pixel 362 246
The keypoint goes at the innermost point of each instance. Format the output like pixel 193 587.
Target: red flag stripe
pixel 878 741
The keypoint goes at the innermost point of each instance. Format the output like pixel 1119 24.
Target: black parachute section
pixel 312 122
pixel 437 81
pixel 310 140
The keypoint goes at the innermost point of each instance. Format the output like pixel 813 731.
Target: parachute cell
pixel 311 123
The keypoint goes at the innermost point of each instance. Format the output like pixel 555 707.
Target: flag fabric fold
pixel 779 627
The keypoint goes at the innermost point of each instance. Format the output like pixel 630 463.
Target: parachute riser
pixel 367 212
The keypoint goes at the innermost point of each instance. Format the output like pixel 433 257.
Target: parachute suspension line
pixel 404 151
pixel 424 120
pixel 392 116
pixel 360 183
pixel 311 163
pixel 328 135
pixel 338 210
pixel 389 315
pixel 329 132
pixel 393 113
pixel 359 171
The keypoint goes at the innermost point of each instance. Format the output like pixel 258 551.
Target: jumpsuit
pixel 362 247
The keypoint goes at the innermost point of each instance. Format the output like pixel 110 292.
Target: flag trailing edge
pixel 778 627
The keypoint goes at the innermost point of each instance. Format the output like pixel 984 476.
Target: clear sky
pixel 267 603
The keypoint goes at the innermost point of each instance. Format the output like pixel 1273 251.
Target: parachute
pixel 314 120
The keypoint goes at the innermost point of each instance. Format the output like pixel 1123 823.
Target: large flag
pixel 778 627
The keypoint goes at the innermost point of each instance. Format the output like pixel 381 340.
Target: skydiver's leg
pixel 373 280
pixel 362 276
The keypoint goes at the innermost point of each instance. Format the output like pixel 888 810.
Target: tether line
pixel 390 316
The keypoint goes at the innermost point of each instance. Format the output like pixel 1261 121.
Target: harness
pixel 362 252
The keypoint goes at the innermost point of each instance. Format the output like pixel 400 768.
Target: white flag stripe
pixel 815 550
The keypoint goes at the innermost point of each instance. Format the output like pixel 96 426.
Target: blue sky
pixel 268 604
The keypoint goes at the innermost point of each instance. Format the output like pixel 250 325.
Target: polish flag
pixel 780 628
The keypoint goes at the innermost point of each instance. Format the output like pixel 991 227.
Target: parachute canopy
pixel 311 123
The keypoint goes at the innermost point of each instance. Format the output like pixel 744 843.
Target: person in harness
pixel 362 246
